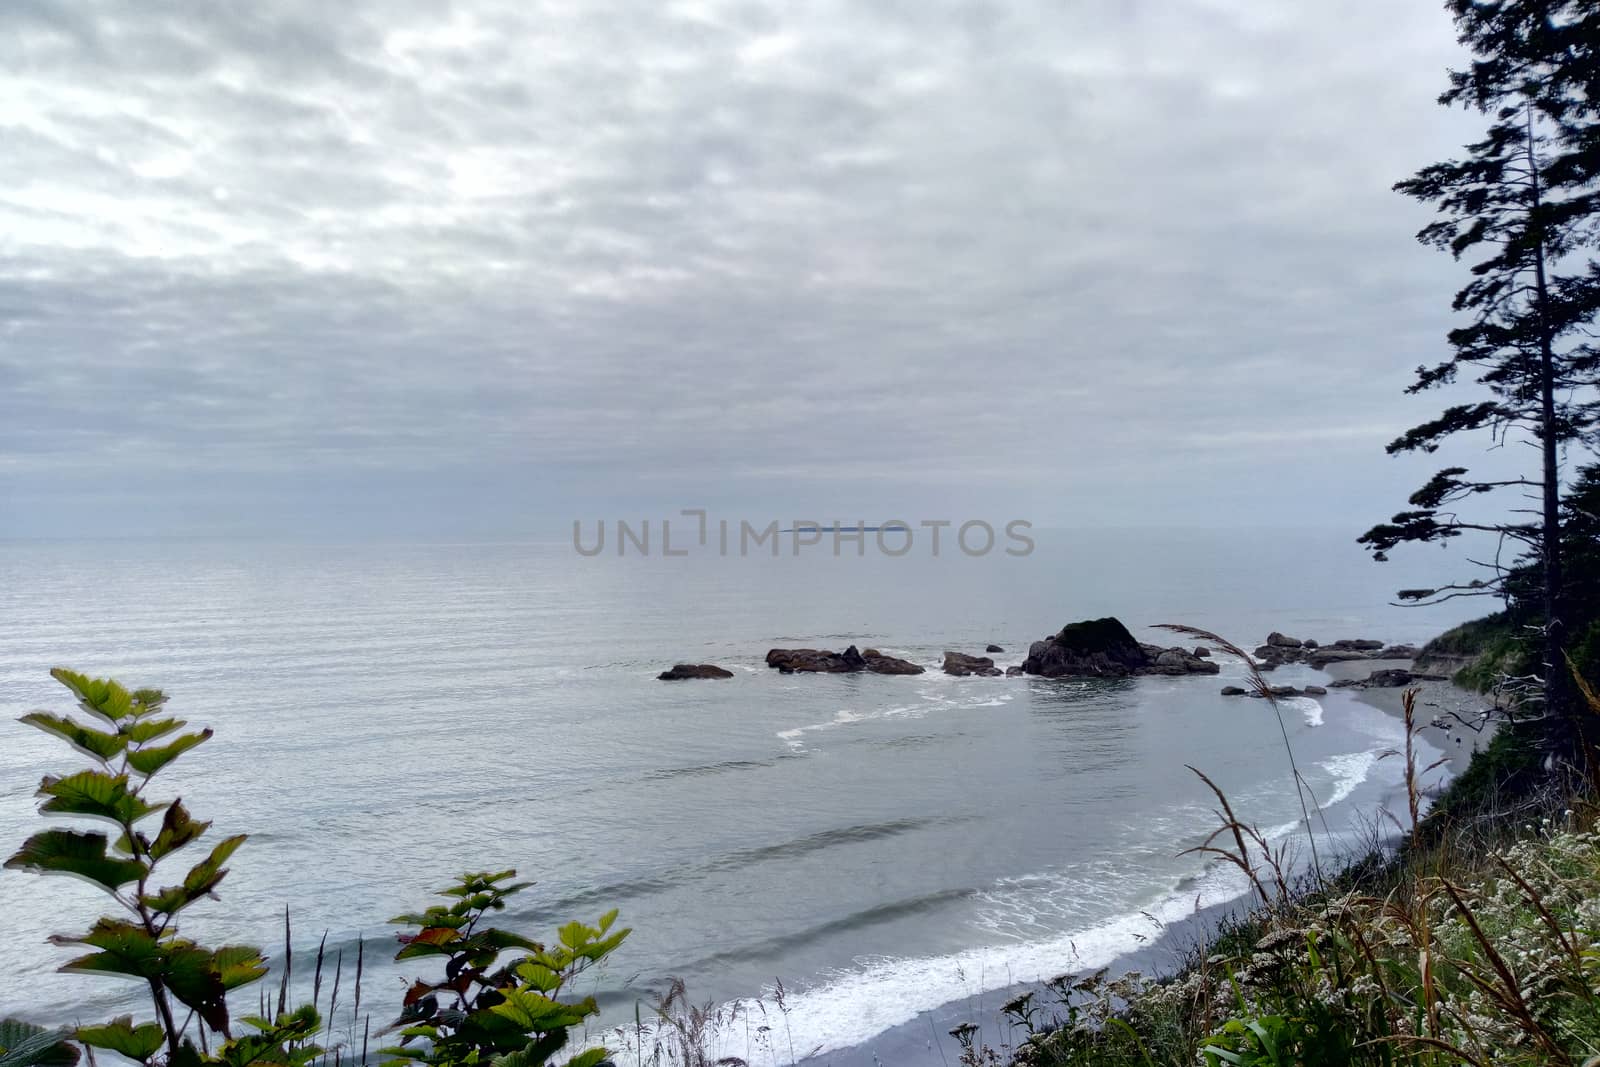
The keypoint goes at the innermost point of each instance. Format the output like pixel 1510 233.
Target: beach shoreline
pixel 925 1041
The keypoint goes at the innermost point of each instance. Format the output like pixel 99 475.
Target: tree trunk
pixel 1557 704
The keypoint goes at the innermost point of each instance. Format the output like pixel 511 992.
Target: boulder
pixel 1013 672
pixel 961 665
pixel 693 670
pixel 811 660
pixel 1177 661
pixel 1356 644
pixel 1315 691
pixel 1201 652
pixel 1232 691
pixel 1388 679
pixel 1103 648
pixel 878 663
pixel 1096 648
pixel 1283 641
pixel 1398 652
pixel 994 648
pixel 1308 643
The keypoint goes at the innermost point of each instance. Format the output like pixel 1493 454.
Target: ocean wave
pixel 851 1007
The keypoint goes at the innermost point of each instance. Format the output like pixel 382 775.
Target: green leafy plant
pixel 130 740
pixel 25 1045
pixel 482 1011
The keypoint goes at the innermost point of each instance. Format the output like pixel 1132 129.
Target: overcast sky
pixel 485 266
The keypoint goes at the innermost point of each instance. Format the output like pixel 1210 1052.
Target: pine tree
pixel 1523 208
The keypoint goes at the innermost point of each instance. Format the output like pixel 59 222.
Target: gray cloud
pixel 584 255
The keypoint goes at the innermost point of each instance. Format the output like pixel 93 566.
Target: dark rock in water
pixel 961 665
pixel 1268 666
pixel 1013 672
pixel 994 648
pixel 1103 648
pixel 1345 683
pixel 1315 691
pixel 1388 679
pixel 694 670
pixel 1232 691
pixel 1282 641
pixel 1356 645
pixel 1201 652
pixel 1097 648
pixel 878 663
pixel 1177 661
pixel 813 660
pixel 1308 644
pixel 1279 691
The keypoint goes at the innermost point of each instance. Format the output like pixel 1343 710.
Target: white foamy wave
pixel 851 1007
pixel 1308 707
pixel 934 701
pixel 1348 771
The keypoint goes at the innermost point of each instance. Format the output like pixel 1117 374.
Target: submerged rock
pixel 1232 691
pixel 961 665
pixel 681 671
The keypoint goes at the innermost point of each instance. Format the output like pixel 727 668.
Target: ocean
pixel 390 714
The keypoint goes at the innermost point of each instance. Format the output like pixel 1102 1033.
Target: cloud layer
pixel 521 259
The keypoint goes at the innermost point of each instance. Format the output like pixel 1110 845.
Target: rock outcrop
pixel 878 663
pixel 821 661
pixel 681 671
pixel 994 648
pixel 1103 648
pixel 962 665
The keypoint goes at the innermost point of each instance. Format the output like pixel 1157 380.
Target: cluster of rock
pixel 1388 678
pixel 1281 649
pixel 1276 691
pixel 820 661
pixel 1095 648
pixel 1103 648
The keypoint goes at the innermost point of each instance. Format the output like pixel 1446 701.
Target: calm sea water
pixel 388 715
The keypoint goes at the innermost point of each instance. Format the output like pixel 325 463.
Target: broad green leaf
pixel 532 1010
pixel 139 733
pixel 125 949
pixel 96 743
pixel 201 880
pixel 26 1045
pixel 192 974
pixel 101 696
pixel 94 793
pixel 589 1058
pixel 239 965
pixel 120 1035
pixel 147 761
pixel 80 854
